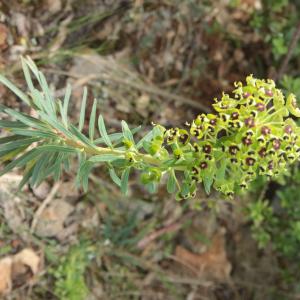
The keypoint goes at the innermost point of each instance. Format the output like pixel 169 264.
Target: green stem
pixel 101 150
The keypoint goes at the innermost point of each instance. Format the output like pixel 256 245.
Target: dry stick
pixel 43 206
pixel 292 46
pixel 142 87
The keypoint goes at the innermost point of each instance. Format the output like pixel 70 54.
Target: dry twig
pixel 40 210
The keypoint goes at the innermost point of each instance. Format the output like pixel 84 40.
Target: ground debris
pixel 212 264
pixel 18 269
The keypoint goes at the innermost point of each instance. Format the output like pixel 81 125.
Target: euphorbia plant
pixel 251 133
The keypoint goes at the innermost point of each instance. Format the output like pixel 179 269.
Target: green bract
pixel 251 133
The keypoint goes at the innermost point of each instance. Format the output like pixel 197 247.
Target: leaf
pixel 27 74
pixel 47 167
pixel 103 131
pixel 39 168
pixel 171 184
pixel 126 132
pixel 82 110
pixel 11 154
pixel 220 172
pixel 81 136
pixel 114 177
pixel 14 89
pixel 20 161
pixel 38 100
pixel 208 181
pixel 12 124
pixel 116 137
pixel 55 124
pixel 19 143
pixel 146 138
pixel 152 187
pixel 56 148
pixel 66 105
pixel 83 174
pixel 124 181
pixel 10 138
pixel 112 137
pixel 33 68
pixel 36 133
pixel 291 105
pixel 49 101
pixel 27 120
pixel 92 120
pixel 26 176
pixel 104 158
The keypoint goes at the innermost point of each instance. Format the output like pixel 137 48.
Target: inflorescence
pixel 252 133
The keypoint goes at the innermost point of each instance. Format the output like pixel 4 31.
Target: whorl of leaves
pixel 251 133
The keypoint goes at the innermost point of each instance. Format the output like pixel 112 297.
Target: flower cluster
pixel 251 133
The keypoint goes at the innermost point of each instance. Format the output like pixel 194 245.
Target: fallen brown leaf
pixel 5 275
pixel 212 264
pixel 25 265
pixel 18 269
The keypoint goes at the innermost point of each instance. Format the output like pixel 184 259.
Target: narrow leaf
pixel 126 132
pixel 103 132
pixel 38 169
pixel 20 143
pixel 20 161
pixel 56 148
pixel 10 138
pixel 12 124
pixel 27 74
pixel 81 136
pixel 146 138
pixel 35 133
pixel 171 184
pixel 104 158
pixel 66 105
pixel 27 120
pixel 82 110
pixel 124 181
pixel 55 124
pixel 114 177
pixel 14 89
pixel 92 121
